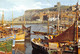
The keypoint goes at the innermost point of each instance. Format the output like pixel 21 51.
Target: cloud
pixel 19 8
pixel 22 5
pixel 22 2
pixel 0 12
pixel 41 4
pixel 15 8
pixel 3 9
pixel 37 7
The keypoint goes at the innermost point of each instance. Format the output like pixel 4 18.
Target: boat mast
pixel 12 19
pixel 58 22
pixel 58 15
pixel 48 22
pixel 2 17
pixel 77 23
pixel 24 20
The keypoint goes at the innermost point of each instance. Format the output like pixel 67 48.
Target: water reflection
pixel 19 47
pixel 26 47
pixel 34 51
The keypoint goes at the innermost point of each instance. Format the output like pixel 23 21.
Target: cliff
pixel 33 14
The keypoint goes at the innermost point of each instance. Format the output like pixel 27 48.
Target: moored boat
pixel 43 46
pixel 20 37
pixel 23 34
pixel 46 45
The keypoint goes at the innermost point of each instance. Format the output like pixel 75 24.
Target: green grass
pixel 7 46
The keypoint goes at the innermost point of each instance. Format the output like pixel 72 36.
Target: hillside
pixel 31 14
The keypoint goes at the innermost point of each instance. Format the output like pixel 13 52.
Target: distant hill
pixel 31 14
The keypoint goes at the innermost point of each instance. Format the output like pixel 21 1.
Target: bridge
pixel 22 22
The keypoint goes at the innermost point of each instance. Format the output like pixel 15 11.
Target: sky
pixel 20 6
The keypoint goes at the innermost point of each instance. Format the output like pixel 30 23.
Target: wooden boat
pixel 7 34
pixel 53 44
pixel 20 37
pixel 5 29
pixel 65 42
pixel 42 33
pixel 19 34
pixel 23 34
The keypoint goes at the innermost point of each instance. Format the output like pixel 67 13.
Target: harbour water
pixel 26 47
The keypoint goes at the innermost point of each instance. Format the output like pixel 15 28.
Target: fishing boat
pixel 23 33
pixel 64 42
pixel 8 35
pixel 27 30
pixel 4 28
pixel 42 33
pixel 54 43
pixel 20 36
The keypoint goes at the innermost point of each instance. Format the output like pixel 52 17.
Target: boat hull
pixel 39 48
pixel 20 40
pixel 20 37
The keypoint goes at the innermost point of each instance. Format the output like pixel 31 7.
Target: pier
pixel 22 22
